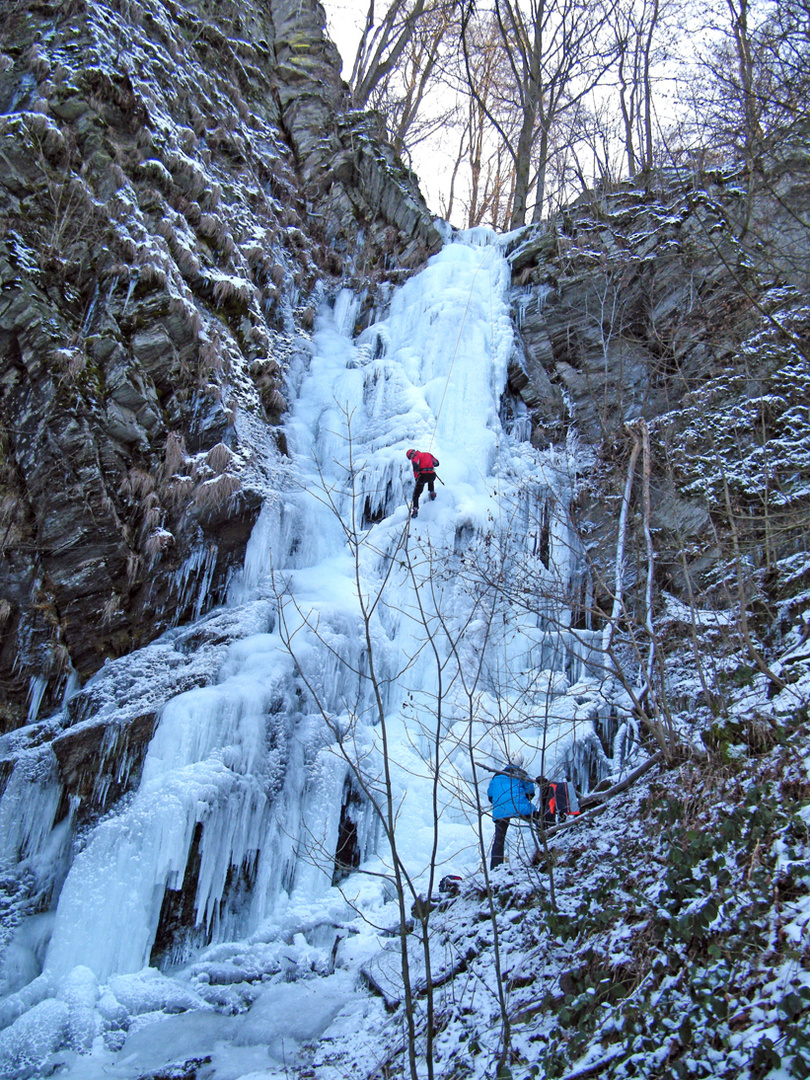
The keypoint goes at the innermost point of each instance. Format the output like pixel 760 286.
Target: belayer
pixel 511 792
pixel 424 472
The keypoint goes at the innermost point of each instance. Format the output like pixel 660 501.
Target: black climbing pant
pixel 499 841
pixel 496 859
pixel 428 478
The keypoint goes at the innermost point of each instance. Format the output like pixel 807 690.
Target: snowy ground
pixel 460 614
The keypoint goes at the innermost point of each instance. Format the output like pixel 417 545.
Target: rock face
pixel 669 307
pixel 178 183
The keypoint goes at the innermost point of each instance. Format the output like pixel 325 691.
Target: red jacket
pixel 423 462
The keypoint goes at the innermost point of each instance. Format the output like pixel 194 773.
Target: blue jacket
pixel 510 795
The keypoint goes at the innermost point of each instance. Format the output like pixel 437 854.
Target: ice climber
pixel 424 472
pixel 511 792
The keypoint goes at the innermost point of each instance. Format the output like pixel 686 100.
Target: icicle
pixel 28 806
pixel 91 309
pixel 130 289
pixel 36 691
pixel 192 580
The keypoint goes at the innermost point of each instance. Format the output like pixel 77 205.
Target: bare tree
pixel 555 52
pixel 399 60
pixel 636 25
pixel 491 167
pixel 370 762
pixel 749 89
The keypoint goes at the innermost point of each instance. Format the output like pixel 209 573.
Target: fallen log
pixel 597 797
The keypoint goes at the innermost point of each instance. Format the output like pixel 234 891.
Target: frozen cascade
pixel 247 780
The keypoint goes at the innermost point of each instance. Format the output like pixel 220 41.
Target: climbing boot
pixel 432 495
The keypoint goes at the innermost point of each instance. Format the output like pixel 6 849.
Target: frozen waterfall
pixel 257 792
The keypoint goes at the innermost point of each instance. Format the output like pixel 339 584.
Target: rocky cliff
pixel 179 185
pixel 655 307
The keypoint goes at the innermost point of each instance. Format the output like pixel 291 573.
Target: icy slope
pixel 252 784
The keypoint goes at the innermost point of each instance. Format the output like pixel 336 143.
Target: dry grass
pixel 198 121
pixel 137 484
pixel 110 609
pixel 187 262
pixel 134 563
pixel 152 275
pixel 219 458
pixel 158 542
pixel 212 359
pixel 258 337
pixel 276 402
pixel 73 210
pixel 265 370
pixel 290 216
pixel 296 238
pixel 154 170
pixel 171 228
pixel 6 611
pixel 10 506
pixel 108 506
pixel 177 492
pixel 229 142
pixel 212 228
pixel 254 253
pixel 183 307
pixel 187 174
pixel 174 455
pixel 192 213
pixel 117 176
pixel 233 292
pixel 72 362
pixel 152 517
pixel 58 660
pixel 49 138
pixel 129 248
pixel 216 494
pixel 38 62
pixel 211 197
pixel 187 139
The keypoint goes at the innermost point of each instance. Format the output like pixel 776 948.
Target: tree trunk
pixel 523 169
pixel 540 190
